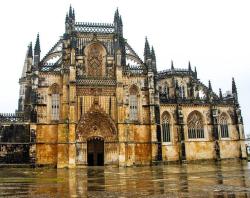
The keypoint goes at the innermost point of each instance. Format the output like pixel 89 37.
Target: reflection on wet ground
pixel 226 179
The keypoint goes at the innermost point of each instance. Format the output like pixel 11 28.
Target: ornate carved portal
pixel 96 136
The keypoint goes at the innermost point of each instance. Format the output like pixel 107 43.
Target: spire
pixel 67 18
pixel 153 53
pixel 27 61
pixel 120 20
pixel 30 53
pixel 195 72
pixel 37 49
pixel 146 50
pixel 220 94
pixel 116 17
pixel 153 59
pixel 70 12
pixel 234 88
pixel 189 66
pixel 73 14
pixel 118 23
pixel 209 86
pixel 234 91
pixel 172 65
pixel 120 27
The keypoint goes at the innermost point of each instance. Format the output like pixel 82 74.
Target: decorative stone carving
pixel 96 123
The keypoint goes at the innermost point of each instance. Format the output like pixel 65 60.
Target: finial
pixel 73 14
pixel 195 72
pixel 209 86
pixel 66 18
pixel 30 54
pixel 172 65
pixel 120 20
pixel 234 91
pixel 146 49
pixel 117 11
pixel 189 66
pixel 220 93
pixel 70 11
pixel 37 48
pixel 116 17
pixel 153 53
pixel 234 88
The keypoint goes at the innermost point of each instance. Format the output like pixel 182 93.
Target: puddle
pixel 226 179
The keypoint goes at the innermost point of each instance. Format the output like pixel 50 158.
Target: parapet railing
pixel 11 117
pixel 94 27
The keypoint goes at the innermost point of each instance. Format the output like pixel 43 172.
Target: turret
pixel 118 23
pixel 70 20
pixel 28 61
pixel 37 51
pixel 120 41
pixel 24 80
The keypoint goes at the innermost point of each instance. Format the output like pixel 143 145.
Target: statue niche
pixel 95 54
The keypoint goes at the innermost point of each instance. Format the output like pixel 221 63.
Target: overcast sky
pixel 213 34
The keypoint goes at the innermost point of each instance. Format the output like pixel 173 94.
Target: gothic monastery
pixel 91 100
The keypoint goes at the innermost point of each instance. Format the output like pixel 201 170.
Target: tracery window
pixel 165 125
pixel 195 126
pixel 95 60
pixel 133 104
pixel 55 102
pixel 223 126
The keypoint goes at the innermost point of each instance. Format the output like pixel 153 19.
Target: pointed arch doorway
pixel 95 149
pixel 96 138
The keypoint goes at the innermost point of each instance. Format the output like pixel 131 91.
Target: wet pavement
pixel 226 179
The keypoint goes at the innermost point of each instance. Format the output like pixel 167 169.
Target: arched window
pixel 195 126
pixel 133 103
pixel 182 91
pixel 223 126
pixel 165 125
pixel 95 53
pixel 55 102
pixel 166 91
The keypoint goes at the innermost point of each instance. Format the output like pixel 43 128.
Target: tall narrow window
pixel 195 126
pixel 81 104
pixel 223 127
pixel 55 106
pixel 182 91
pixel 133 104
pixel 166 91
pixel 165 125
pixel 55 102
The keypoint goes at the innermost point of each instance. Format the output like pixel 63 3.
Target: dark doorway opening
pixel 95 152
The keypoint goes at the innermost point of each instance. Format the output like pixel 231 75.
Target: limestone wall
pixel 46 144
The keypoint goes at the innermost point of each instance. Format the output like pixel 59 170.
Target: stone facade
pixel 92 101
